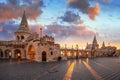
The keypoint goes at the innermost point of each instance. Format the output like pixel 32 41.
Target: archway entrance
pixel 31 52
pixel 17 53
pixel 7 53
pixel 1 54
pixel 43 56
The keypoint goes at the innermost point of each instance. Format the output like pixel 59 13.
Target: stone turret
pixel 94 43
pixel 103 45
pixel 23 31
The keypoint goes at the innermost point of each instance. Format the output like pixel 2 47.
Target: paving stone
pixel 106 68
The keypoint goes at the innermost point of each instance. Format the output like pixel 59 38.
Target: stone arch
pixel 18 38
pixel 31 52
pixel 17 53
pixel 22 37
pixel 7 53
pixel 1 53
pixel 44 56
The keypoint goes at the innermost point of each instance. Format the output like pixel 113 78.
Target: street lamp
pixel 77 51
pixel 10 54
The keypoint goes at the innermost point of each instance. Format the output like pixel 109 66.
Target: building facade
pixel 91 51
pixel 29 45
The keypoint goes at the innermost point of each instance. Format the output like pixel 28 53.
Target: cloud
pixel 8 29
pixel 13 9
pixel 93 11
pixel 35 28
pixel 107 0
pixel 81 21
pixel 84 7
pixel 61 31
pixel 70 17
pixel 1 28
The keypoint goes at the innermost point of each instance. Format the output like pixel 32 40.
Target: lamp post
pixel 66 51
pixel 77 51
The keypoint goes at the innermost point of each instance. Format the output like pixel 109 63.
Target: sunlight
pixel 69 72
pixel 93 72
pixel 87 60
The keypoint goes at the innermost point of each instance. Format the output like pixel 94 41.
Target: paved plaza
pixel 72 69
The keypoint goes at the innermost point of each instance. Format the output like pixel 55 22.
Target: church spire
pixel 24 20
pixel 95 41
pixel 95 44
pixel 24 24
pixel 103 45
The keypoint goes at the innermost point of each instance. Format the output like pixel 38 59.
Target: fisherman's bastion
pixel 28 45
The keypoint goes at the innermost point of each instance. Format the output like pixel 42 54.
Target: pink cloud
pixel 1 28
pixel 93 12
pixel 81 21
pixel 85 7
pixel 10 11
pixel 38 28
pixel 77 31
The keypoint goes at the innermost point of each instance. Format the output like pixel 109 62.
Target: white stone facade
pixel 28 45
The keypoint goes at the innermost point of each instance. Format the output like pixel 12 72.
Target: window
pixel 51 53
pixel 22 37
pixel 18 38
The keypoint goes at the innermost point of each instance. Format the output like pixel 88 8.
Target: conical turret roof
pixel 95 41
pixel 95 44
pixel 103 45
pixel 24 25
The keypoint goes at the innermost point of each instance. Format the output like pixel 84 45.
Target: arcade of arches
pixel 5 54
pixel 8 54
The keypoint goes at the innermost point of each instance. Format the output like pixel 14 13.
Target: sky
pixel 70 22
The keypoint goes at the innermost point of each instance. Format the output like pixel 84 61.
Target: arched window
pixel 31 52
pixel 7 53
pixel 18 38
pixel 17 53
pixel 22 37
pixel 51 53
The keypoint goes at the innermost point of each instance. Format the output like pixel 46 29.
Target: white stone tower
pixel 23 31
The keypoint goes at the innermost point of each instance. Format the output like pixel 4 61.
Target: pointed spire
pixel 103 45
pixel 94 41
pixel 24 20
pixel 95 44
pixel 24 24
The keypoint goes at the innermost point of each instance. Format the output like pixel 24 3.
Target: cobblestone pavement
pixel 72 69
